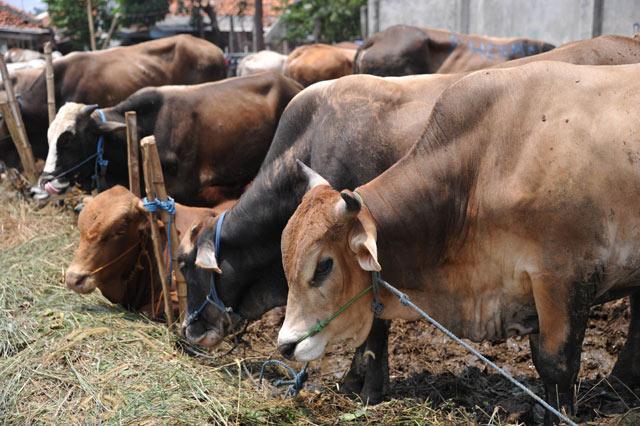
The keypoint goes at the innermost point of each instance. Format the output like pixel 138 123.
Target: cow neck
pixel 420 207
pixel 250 237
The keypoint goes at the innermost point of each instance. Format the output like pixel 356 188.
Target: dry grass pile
pixel 67 359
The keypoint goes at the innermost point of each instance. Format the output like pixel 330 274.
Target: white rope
pixel 404 299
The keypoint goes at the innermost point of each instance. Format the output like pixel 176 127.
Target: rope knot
pixel 168 205
pixel 297 381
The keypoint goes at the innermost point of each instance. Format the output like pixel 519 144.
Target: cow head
pixel 328 251
pixel 112 223
pixel 198 264
pixel 73 137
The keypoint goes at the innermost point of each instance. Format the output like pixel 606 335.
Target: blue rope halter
pixel 169 206
pixel 212 298
pixel 100 163
pixel 100 168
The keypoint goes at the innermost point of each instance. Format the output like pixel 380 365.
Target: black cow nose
pixel 288 349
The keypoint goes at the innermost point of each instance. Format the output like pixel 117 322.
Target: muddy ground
pixel 426 366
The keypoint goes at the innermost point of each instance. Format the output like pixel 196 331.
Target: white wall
pixel 555 21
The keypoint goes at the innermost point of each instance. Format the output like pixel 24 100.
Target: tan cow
pixel 513 215
pixel 317 62
pixel 115 253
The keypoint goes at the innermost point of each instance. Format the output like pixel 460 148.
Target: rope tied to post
pixel 169 206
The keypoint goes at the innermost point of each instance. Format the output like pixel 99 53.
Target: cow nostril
pixel 287 349
pixel 75 280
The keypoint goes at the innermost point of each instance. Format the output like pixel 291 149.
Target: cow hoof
pixel 371 392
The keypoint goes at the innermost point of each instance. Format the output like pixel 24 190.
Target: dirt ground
pixel 426 366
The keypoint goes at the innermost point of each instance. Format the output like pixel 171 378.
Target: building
pixel 21 29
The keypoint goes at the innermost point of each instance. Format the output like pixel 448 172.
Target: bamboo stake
pixel 112 28
pixel 133 148
pixel 148 146
pixel 51 93
pixel 13 117
pixel 91 30
pixel 149 143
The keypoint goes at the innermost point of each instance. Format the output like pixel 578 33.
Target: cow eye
pixel 323 269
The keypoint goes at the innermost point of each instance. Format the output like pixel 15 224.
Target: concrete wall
pixel 555 21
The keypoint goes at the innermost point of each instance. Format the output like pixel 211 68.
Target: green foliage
pixel 71 15
pixel 145 12
pixel 330 20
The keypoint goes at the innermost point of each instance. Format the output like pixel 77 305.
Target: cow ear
pixel 313 178
pixel 362 241
pixel 206 257
pixel 110 126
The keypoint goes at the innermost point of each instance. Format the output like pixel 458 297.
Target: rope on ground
pixel 297 381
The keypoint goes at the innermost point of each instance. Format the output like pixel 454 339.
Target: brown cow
pixel 211 137
pixel 317 62
pixel 513 215
pixel 107 77
pixel 405 50
pixel 115 253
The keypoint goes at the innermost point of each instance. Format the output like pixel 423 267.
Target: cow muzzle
pixel 198 333
pixel 80 283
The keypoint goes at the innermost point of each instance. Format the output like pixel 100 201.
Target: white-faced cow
pixel 405 50
pixel 348 129
pixel 318 62
pixel 211 137
pixel 109 76
pixel 515 212
pixel 115 253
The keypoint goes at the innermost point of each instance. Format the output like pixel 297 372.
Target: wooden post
pixel 148 146
pixel 51 93
pixel 154 184
pixel 133 148
pixel 92 37
pixel 112 28
pixel 13 117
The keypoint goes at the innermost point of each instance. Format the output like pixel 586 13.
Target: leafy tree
pixel 322 20
pixel 144 13
pixel 71 15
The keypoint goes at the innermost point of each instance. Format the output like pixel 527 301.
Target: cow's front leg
pixel 563 311
pixel 627 368
pixel 368 375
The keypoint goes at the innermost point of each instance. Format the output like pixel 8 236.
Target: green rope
pixel 320 325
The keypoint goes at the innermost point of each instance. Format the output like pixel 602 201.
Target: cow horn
pixel 352 202
pixel 88 109
pixel 206 257
pixel 313 178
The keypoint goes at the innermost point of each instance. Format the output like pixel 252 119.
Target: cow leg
pixel 562 319
pixel 368 375
pixel 627 368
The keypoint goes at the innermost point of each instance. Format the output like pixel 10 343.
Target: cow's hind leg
pixel 368 375
pixel 627 368
pixel 563 311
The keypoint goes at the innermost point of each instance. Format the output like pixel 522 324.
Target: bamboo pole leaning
pixel 154 184
pixel 148 146
pixel 51 92
pixel 133 150
pixel 13 118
